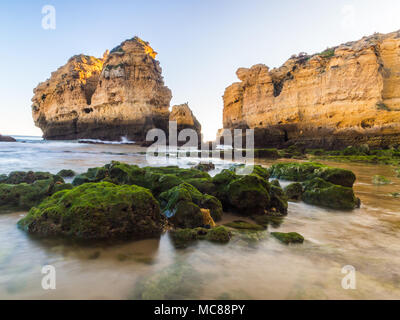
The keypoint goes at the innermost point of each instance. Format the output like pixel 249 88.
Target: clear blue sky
pixel 201 43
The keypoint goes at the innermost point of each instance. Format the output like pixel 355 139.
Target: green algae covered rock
pixel 288 238
pixel 219 234
pixel 294 191
pixel 246 170
pixel 249 194
pixel 204 185
pixel 157 179
pixel 92 175
pixel 205 166
pixel 322 193
pixel 309 170
pixel 380 180
pixel 65 173
pixel 24 196
pixel 279 202
pixel 182 206
pixel 96 211
pixel 243 225
pixel 182 238
pixel 29 177
pixel 276 183
pixel 266 220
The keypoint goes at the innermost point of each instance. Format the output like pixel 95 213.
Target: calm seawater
pixel 367 238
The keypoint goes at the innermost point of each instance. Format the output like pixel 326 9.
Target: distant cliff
pixel 120 95
pixel 346 95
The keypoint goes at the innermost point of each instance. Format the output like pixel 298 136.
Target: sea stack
pixel 120 95
pixel 185 119
pixel 346 95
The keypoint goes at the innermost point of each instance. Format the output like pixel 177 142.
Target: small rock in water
pixel 205 166
pixel 380 180
pixel 66 173
pixel 288 238
pixel 243 225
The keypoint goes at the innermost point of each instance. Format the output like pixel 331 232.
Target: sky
pixel 201 43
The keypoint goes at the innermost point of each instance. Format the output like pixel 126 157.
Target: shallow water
pixel 367 238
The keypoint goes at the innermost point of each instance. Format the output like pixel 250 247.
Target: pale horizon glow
pixel 201 44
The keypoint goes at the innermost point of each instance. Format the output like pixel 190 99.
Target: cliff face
pixel 121 95
pixel 185 118
pixel 347 95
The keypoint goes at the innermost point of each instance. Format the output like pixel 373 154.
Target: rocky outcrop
pixel 346 95
pixel 185 119
pixel 6 139
pixel 120 95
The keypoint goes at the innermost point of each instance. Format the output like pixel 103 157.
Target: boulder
pixel 308 170
pixel 288 238
pixel 97 211
pixel 322 193
pixel 294 191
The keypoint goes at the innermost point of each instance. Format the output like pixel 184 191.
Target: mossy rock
pixel 246 170
pixel 204 166
pixel 243 225
pixel 309 170
pixel 219 234
pixel 322 193
pixel 182 206
pixel 250 237
pixel 249 195
pixel 266 220
pixel 279 202
pixel 157 179
pixel 214 205
pixel 380 180
pixel 65 173
pixel 294 191
pixel 204 185
pixel 96 211
pixel 92 175
pixel 224 177
pixel 288 238
pixel 29 177
pixel 276 183
pixel 182 238
pixel 24 196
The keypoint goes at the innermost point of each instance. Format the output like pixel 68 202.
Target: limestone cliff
pixel 185 118
pixel 346 95
pixel 120 95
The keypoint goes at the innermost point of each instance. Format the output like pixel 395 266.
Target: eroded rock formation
pixel 120 95
pixel 347 95
pixel 185 119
